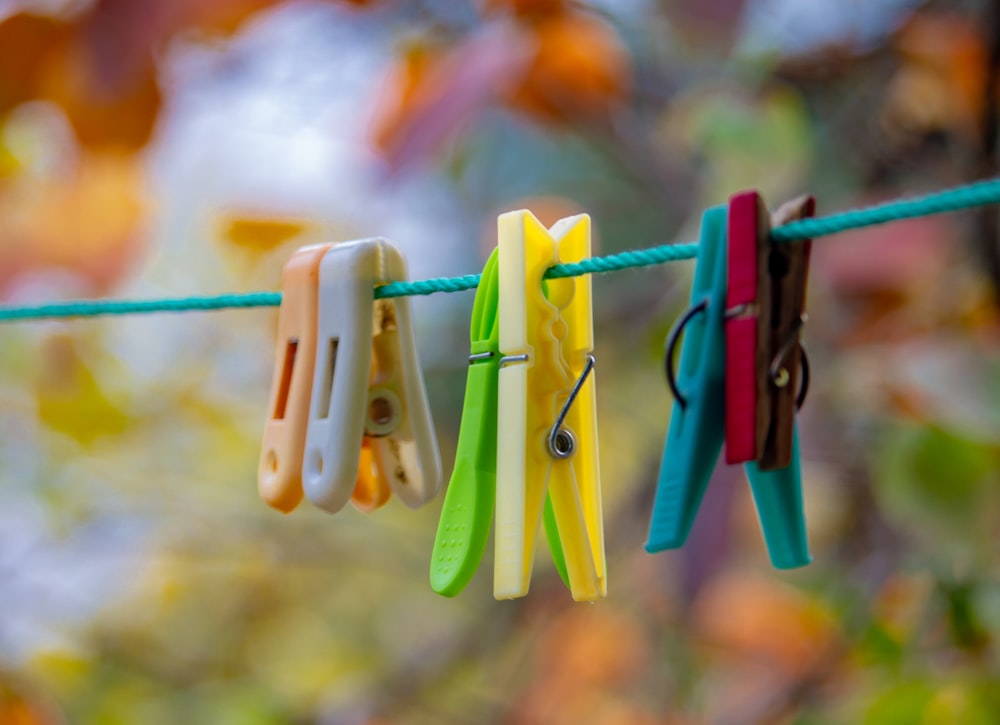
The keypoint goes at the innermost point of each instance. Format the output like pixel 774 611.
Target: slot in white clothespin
pixel 367 387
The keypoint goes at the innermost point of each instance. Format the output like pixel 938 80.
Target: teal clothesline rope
pixel 972 195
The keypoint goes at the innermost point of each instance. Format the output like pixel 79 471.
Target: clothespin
pixel 367 390
pixel 698 423
pixel 279 475
pixel 469 501
pixel 765 301
pixel 547 413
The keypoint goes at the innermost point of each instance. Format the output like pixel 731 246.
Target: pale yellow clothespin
pixel 547 412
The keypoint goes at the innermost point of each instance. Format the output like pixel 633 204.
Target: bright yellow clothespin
pixel 547 412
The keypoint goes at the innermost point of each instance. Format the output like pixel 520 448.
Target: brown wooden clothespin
pixel 766 371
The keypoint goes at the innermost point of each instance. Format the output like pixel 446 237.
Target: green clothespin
pixel 468 504
pixel 697 424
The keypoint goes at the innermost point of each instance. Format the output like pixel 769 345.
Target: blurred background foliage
pixel 189 147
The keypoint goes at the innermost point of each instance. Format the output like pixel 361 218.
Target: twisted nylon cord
pixel 963 197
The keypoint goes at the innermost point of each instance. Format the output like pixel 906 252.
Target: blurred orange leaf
pixel 761 618
pixel 26 42
pixel 941 84
pixel 17 708
pixel 592 651
pixel 580 68
pixel 103 117
pixel 87 222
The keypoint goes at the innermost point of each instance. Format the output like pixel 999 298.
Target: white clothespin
pixel 367 387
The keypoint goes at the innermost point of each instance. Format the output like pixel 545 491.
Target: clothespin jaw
pixel 279 475
pixel 777 494
pixel 546 340
pixel 371 488
pixel 468 504
pixel 764 316
pixel 696 430
pixel 367 387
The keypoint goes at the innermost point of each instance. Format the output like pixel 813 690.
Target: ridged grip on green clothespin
pixel 470 498
pixel 469 501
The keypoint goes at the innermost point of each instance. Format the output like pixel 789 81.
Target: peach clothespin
pixel 279 475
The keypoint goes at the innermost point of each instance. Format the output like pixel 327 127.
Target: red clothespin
pixel 765 303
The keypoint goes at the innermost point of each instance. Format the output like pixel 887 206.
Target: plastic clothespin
pixel 279 475
pixel 698 423
pixel 547 413
pixel 469 500
pixel 765 303
pixel 367 389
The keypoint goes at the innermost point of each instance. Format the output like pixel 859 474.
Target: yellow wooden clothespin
pixel 547 411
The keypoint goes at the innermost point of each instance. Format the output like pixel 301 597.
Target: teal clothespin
pixel 697 425
pixel 471 495
pixel 696 431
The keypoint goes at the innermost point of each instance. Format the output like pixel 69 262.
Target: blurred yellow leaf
pixel 260 234
pixel 959 705
pixel 70 399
